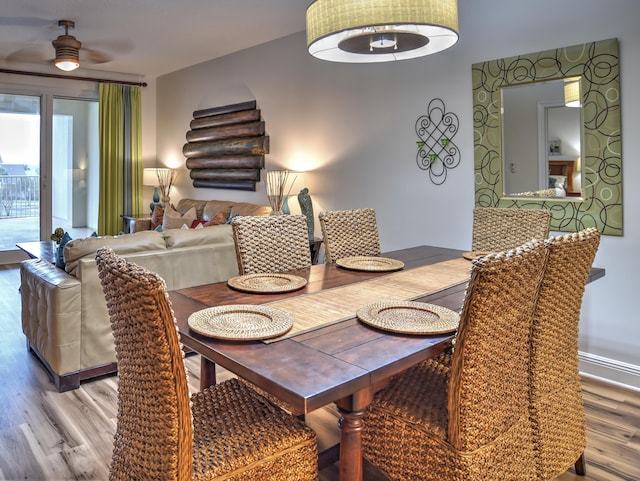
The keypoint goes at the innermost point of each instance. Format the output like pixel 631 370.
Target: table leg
pixel 207 373
pixel 350 445
pixel 352 410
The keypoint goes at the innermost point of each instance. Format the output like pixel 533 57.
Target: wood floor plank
pixel 51 436
pixel 15 446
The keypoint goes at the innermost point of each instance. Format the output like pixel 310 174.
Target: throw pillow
pixel 218 219
pixel 231 217
pixel 60 252
pixel 197 224
pixel 157 216
pixel 173 220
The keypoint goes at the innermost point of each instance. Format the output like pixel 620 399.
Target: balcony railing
pixel 19 196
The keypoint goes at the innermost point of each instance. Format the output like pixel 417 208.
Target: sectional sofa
pixel 64 313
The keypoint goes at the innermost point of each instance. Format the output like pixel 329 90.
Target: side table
pixel 129 222
pixel 45 250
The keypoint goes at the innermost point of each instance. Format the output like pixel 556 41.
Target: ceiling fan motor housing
pixel 66 46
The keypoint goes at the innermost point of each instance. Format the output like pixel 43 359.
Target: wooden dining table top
pixel 313 369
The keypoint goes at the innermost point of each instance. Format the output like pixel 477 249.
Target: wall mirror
pixel 590 166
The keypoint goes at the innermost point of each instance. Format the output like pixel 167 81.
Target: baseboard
pixel 608 370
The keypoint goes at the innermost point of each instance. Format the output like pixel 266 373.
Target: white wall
pixel 355 124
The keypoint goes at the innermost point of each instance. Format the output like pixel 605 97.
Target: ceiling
pixel 143 37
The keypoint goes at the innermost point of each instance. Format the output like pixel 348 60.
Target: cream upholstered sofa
pixel 64 313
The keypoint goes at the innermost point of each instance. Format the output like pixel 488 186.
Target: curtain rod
pixel 70 77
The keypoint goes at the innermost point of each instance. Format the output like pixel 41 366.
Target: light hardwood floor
pixel 46 435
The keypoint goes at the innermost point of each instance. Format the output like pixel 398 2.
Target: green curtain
pixel 120 156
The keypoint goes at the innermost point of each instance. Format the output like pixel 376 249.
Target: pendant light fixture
pixel 67 48
pixel 363 31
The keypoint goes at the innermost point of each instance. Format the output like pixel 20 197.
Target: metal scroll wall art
pixel 226 146
pixel 436 151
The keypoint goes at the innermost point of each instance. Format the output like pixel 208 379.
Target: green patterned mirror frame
pixel 598 65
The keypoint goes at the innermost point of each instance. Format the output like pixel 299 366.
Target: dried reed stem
pixel 276 187
pixel 166 179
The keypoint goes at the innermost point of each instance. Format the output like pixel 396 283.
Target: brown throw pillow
pixel 156 216
pixel 218 219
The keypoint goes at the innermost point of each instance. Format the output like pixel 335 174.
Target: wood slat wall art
pixel 226 146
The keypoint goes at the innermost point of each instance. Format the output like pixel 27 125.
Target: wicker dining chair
pixel 498 229
pixel 349 233
pixel 274 243
pixel 468 420
pixel 557 411
pixel 224 432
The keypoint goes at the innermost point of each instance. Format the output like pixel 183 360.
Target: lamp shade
pixel 150 177
pixel 360 31
pixel 572 94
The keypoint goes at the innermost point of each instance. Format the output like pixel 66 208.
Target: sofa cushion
pixel 245 208
pixel 174 220
pixel 176 238
pixel 185 204
pixel 147 240
pixel 214 207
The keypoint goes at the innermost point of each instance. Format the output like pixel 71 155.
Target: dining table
pixel 339 359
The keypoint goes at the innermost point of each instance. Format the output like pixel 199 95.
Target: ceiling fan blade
pixel 113 45
pixel 24 21
pixel 90 55
pixel 33 54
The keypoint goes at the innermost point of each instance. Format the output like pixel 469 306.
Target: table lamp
pixel 150 178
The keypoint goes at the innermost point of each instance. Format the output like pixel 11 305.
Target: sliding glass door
pixel 20 153
pixel 48 169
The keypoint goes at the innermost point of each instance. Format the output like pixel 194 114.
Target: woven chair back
pixel 489 379
pixel 349 233
pixel 498 229
pixel 556 402
pixel 154 433
pixel 274 243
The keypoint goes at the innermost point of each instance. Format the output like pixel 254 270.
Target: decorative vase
pixel 156 199
pixel 285 205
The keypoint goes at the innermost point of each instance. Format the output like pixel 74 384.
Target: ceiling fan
pixel 69 51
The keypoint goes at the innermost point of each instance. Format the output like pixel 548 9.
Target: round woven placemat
pixel 408 317
pixel 370 263
pixel 240 322
pixel 266 283
pixel 473 254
